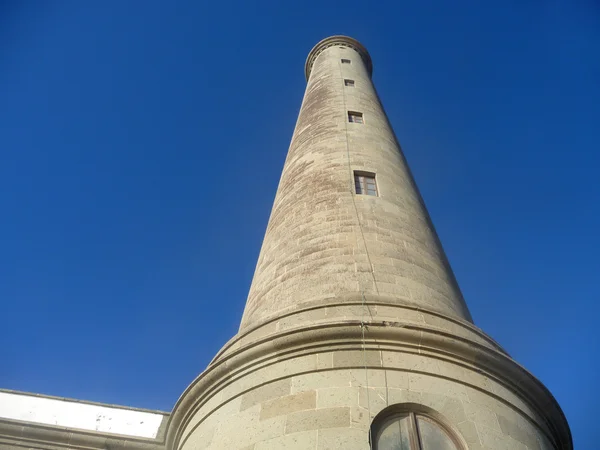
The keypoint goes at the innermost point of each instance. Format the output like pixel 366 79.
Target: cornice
pixel 17 433
pixel 352 300
pixel 323 337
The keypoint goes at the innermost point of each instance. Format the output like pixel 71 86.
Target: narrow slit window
pixel 346 61
pixel 365 183
pixel 355 117
pixel 349 83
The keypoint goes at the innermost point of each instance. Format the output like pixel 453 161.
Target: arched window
pixel 403 428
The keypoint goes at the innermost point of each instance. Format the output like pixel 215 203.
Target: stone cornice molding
pixel 353 300
pixel 18 433
pixel 343 41
pixel 380 335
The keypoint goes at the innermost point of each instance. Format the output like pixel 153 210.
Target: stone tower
pixel 355 333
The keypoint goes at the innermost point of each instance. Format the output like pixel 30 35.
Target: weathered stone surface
pixel 468 430
pixel 318 419
pixel 369 377
pixel 246 428
pixel 343 438
pixel 356 358
pixel 312 381
pixel 272 390
pixel 295 441
pixel 353 309
pixel 481 414
pixel 202 438
pixel 322 237
pixel 337 396
pixel 510 428
pixel 290 403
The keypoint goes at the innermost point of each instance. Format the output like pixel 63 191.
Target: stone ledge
pixel 326 309
pixel 16 433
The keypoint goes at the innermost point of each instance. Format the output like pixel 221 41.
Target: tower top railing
pixel 343 41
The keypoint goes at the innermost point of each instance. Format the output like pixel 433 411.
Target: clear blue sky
pixel 141 144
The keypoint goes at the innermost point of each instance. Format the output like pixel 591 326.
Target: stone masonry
pixel 323 240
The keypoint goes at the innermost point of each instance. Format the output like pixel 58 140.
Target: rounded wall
pixel 327 399
pixel 323 241
pixel 286 384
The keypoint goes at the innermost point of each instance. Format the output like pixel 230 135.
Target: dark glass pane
pixel 394 434
pixel 358 186
pixel 364 184
pixel 433 437
pixel 355 117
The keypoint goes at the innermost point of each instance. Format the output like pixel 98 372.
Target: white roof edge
pixel 78 414
pixel 87 402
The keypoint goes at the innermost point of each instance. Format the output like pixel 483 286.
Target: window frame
pixel 413 412
pixel 349 82
pixel 346 61
pixel 358 174
pixel 356 114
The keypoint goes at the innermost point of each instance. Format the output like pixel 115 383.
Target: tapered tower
pixel 355 333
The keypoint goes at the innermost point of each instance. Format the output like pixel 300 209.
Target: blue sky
pixel 141 144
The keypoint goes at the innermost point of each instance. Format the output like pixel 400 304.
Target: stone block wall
pixel 321 401
pixel 325 241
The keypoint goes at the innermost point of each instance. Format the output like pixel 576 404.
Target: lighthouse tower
pixel 355 334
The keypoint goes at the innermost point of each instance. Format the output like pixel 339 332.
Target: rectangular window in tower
pixel 346 61
pixel 364 183
pixel 349 83
pixel 355 117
